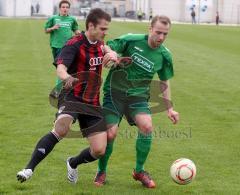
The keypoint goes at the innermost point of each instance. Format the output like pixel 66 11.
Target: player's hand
pixel 173 115
pixel 56 26
pixel 70 82
pixel 123 61
pixel 109 59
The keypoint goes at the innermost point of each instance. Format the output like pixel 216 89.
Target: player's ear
pixel 150 28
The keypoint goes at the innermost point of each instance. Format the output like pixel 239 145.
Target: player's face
pixel 157 34
pixel 100 30
pixel 64 9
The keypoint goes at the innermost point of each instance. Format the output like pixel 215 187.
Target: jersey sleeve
pixel 120 44
pixel 166 72
pixel 75 25
pixel 117 45
pixel 67 54
pixel 49 23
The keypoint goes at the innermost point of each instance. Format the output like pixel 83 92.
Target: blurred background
pixel 177 10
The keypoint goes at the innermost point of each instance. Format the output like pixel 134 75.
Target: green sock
pixel 103 161
pixel 143 145
pixel 58 84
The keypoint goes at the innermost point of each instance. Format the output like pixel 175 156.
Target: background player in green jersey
pixel 61 28
pixel 126 92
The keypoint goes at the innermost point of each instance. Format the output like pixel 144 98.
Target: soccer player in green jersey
pixel 61 28
pixel 126 92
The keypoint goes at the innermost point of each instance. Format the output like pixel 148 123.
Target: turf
pixel 205 91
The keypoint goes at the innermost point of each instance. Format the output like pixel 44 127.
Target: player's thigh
pixel 113 111
pixel 140 114
pixel 136 110
pixel 98 143
pixel 91 124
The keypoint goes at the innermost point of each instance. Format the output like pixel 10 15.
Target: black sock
pixel 43 148
pixel 84 157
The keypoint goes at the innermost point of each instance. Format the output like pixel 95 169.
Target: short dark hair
pixel 64 1
pixel 163 19
pixel 95 15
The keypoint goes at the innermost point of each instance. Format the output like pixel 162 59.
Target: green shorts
pixel 117 107
pixel 55 52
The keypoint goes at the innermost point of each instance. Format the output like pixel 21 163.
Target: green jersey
pixel 135 79
pixel 68 24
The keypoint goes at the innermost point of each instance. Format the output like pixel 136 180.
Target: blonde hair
pixel 163 19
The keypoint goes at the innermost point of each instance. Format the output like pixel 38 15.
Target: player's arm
pixel 62 72
pixel 68 80
pixel 166 90
pixel 49 26
pixel 64 61
pixel 49 30
pixel 109 56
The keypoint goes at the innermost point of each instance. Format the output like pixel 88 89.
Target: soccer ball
pixel 183 171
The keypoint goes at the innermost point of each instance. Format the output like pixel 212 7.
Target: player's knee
pixel 112 133
pixel 146 128
pixel 98 152
pixel 61 132
pixel 111 136
pixel 61 129
pixel 62 125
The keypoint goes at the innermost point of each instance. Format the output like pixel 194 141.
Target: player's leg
pixel 139 114
pixel 95 130
pixel 143 146
pixel 144 139
pixel 45 145
pixel 113 112
pixel 100 178
pixel 97 147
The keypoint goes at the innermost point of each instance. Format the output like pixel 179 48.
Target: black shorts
pixel 90 117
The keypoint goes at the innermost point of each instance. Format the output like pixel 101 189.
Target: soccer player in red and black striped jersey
pixel 79 66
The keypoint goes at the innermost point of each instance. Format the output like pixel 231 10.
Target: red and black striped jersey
pixel 84 61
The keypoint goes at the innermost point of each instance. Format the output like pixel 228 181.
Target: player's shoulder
pixel 72 17
pixel 77 39
pixel 53 16
pixel 133 37
pixel 167 54
pixel 165 50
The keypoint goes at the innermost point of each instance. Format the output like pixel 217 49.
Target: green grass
pixel 205 90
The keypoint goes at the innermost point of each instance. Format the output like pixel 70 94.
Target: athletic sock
pixel 84 157
pixel 143 145
pixel 103 161
pixel 42 149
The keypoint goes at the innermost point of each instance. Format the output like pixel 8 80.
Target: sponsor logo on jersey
pixel 96 61
pixel 65 24
pixel 142 62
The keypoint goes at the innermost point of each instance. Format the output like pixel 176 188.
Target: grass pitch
pixel 205 91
